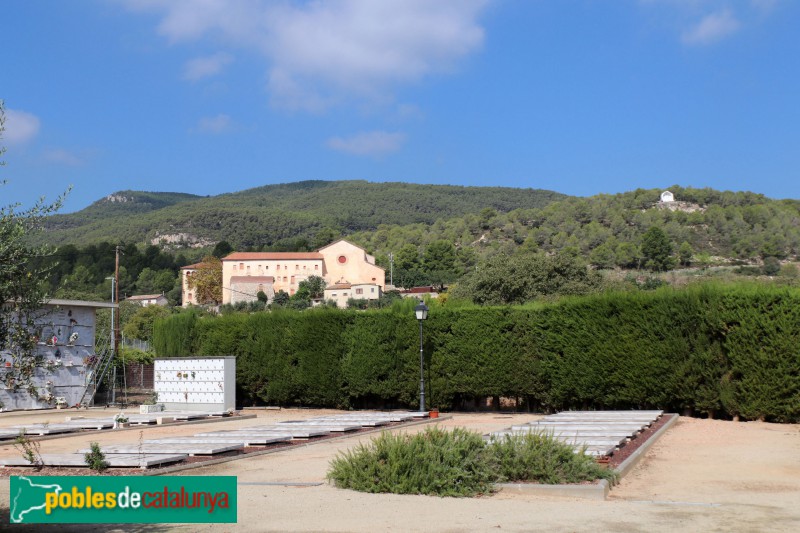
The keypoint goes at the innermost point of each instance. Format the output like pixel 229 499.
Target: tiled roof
pixel 266 256
pixel 252 279
pixel 337 286
pixel 145 297
pixel 193 267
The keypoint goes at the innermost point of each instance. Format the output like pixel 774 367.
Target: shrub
pixel 459 463
pixel 95 458
pixel 541 458
pixel 434 462
pixel 29 449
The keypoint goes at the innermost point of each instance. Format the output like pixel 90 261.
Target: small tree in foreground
pixel 22 285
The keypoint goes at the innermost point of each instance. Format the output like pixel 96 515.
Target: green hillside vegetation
pixel 607 231
pixel 302 215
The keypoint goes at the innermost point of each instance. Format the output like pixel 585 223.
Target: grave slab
pixel 244 439
pixel 114 460
pixel 190 449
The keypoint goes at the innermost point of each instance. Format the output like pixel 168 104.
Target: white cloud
pixel 63 157
pixel 373 143
pixel 221 123
pixel 20 127
pixel 711 28
pixel 203 67
pixel 765 6
pixel 320 53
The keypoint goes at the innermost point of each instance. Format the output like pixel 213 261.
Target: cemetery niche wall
pixel 64 361
pixel 196 383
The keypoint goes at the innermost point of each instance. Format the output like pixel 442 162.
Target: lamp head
pixel 421 311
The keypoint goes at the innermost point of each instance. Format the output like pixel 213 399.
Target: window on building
pixel 316 267
pixel 333 295
pixel 342 259
pixel 359 291
pixel 284 279
pixel 241 266
pixel 292 279
pixel 297 267
pixel 189 296
pixel 248 270
pixel 372 289
pixel 277 267
pixel 234 268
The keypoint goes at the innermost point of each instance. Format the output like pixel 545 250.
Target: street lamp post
pixel 422 313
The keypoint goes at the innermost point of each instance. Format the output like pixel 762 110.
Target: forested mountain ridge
pixel 607 229
pixel 293 215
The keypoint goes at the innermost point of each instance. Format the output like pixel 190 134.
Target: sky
pixel 577 96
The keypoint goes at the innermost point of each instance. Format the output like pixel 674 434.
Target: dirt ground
pixel 702 475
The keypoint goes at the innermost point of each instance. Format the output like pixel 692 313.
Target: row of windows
pixel 277 267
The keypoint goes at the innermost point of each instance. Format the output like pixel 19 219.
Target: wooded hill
pixel 300 215
pixel 703 225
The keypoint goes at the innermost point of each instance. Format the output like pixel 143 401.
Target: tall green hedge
pixel 732 350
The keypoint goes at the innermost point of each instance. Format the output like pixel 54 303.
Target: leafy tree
pixel 222 249
pixel 685 253
pixel 518 279
pixel 262 297
pixel 324 237
pixel 771 266
pixel 657 250
pixel 314 286
pixel 22 287
pixel 140 325
pixel 357 303
pixel 207 281
pixel 145 281
pixel 281 299
pixel 164 281
pixel 407 258
pixel 439 256
pixel 603 256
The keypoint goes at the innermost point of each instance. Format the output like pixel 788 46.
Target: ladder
pixel 96 371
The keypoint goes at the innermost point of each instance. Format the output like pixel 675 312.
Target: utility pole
pixel 391 269
pixel 116 301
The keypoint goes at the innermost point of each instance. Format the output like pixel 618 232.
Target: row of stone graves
pixel 156 452
pixel 598 433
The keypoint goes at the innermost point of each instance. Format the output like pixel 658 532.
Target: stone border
pixel 594 491
pixel 628 464
pixel 310 442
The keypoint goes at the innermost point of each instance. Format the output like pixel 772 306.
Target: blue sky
pixel 582 97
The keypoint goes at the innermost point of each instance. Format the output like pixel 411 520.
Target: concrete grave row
pixel 156 452
pixel 598 433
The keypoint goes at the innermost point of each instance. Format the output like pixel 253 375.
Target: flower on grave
pixel 73 338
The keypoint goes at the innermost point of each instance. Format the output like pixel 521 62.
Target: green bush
pixel 95 458
pixel 434 462
pixel 459 463
pixel 539 457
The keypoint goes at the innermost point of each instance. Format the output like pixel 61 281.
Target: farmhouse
pixel 148 299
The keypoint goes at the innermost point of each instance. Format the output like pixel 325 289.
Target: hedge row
pixel 726 350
